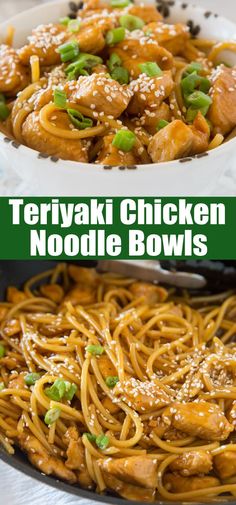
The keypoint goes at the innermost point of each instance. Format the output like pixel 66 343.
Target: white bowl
pixel 190 176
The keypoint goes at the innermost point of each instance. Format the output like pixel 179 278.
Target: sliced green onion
pixel 124 140
pixel 120 3
pixel 60 98
pixel 90 437
pixel 192 112
pixel 131 23
pixel 198 99
pixel 73 26
pixel 189 83
pixel 69 51
pixel 2 98
pixel 102 441
pixel 2 386
pixel 112 381
pixel 121 75
pixel 31 378
pixel 52 415
pixel 69 395
pixel 205 85
pixel 114 61
pixel 2 351
pixel 151 69
pixel 161 124
pixel 114 36
pixel 64 21
pixel 4 111
pixel 96 350
pixel 78 120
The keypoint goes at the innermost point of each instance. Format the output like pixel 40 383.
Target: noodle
pixel 186 354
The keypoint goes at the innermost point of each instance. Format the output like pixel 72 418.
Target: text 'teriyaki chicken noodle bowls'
pixel 139 115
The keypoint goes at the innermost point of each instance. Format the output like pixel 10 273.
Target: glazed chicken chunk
pixel 137 470
pixel 149 92
pixel 222 112
pixel 106 367
pixel 13 75
pixel 39 139
pixel 44 43
pixel 91 39
pixel 143 396
pixel 172 37
pixel 110 155
pixel 137 49
pixel 203 420
pixel 99 93
pixel 192 463
pixel 177 484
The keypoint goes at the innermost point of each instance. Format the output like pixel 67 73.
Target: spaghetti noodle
pixel 120 386
pixel 81 81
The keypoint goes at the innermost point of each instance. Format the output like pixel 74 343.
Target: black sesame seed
pixel 207 14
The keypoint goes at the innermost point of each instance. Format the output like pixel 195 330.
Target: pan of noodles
pixel 116 86
pixel 117 389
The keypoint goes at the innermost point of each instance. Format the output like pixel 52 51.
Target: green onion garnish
pixel 60 98
pixel 56 391
pixel 31 378
pixel 2 386
pixel 90 437
pixel 131 23
pixel 2 351
pixel 114 61
pixel 52 415
pixel 114 36
pixel 189 83
pixel 151 69
pixel 64 21
pixel 192 112
pixel 61 389
pixel 69 51
pixel 102 441
pixel 120 3
pixel 121 75
pixel 73 26
pixel 78 120
pixel 124 140
pixel 161 124
pixel 96 350
pixel 198 99
pixel 4 109
pixel 112 381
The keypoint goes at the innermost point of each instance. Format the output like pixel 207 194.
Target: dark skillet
pixel 16 273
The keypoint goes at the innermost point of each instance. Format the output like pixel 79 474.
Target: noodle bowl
pixel 120 386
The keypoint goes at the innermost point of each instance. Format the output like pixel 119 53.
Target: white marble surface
pixel 10 184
